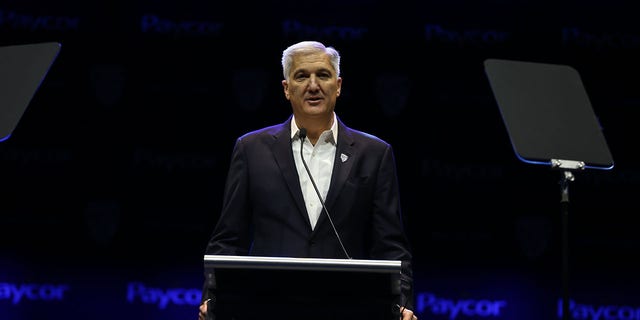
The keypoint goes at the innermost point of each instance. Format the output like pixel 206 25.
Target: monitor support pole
pixel 567 176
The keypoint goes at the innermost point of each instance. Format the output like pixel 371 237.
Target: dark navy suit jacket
pixel 264 214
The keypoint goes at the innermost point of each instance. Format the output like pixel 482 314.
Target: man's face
pixel 313 85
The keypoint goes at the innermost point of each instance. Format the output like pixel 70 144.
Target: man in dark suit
pixel 271 205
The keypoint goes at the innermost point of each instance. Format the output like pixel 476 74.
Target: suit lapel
pixel 344 161
pixel 284 158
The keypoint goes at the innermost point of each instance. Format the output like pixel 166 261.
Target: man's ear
pixel 285 87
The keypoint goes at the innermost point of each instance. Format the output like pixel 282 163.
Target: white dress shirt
pixel 319 159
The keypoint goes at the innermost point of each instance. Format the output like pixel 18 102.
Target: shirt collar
pixel 333 130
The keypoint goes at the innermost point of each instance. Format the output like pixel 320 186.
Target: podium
pixel 254 287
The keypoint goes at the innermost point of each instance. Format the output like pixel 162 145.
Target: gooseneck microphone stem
pixel 302 134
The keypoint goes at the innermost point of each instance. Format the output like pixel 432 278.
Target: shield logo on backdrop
pixel 107 83
pixel 249 86
pixel 534 235
pixel 102 221
pixel 392 91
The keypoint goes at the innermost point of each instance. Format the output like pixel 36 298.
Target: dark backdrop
pixel 118 164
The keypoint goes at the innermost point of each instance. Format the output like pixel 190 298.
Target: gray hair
pixel 305 47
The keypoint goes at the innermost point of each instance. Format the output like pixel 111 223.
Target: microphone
pixel 302 134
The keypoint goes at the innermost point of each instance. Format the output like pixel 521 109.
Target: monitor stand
pixel 550 122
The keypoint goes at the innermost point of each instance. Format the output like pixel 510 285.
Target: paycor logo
pixel 603 312
pixel 162 297
pixel 475 37
pixel 453 308
pixel 20 21
pixel 150 23
pixel 32 292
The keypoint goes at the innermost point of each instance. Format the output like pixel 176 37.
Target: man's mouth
pixel 314 99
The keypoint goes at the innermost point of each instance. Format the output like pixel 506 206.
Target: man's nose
pixel 313 82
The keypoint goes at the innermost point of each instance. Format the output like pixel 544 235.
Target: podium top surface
pixel 22 69
pixel 261 262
